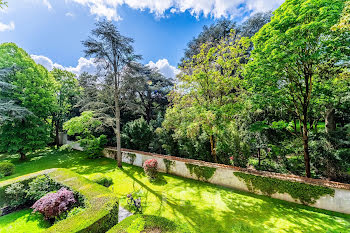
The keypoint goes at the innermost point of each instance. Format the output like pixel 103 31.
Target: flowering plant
pixel 150 167
pixel 232 160
pixel 53 204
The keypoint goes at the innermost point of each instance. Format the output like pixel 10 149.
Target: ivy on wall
pixel 305 193
pixel 202 173
pixel 131 157
pixel 168 164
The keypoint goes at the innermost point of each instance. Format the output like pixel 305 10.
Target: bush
pixel 54 204
pixel 40 186
pixel 150 167
pixel 94 146
pixel 16 194
pixel 7 168
pixel 101 179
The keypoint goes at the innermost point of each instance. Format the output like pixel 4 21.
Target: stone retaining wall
pixel 339 202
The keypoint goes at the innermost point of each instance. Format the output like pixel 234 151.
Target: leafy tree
pixel 209 92
pixel 287 57
pixel 9 108
pixel 214 33
pixel 137 135
pixel 112 51
pixel 83 127
pixel 34 90
pixel 145 91
pixel 66 96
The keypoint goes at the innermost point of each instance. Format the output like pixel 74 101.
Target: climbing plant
pixel 202 173
pixel 305 193
pixel 168 164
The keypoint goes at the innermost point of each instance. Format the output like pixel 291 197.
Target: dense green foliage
pixel 199 206
pixel 34 90
pixel 305 193
pixel 83 127
pixel 287 67
pixel 7 168
pixel 202 172
pixel 101 205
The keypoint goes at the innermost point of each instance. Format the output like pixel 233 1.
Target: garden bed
pixel 101 205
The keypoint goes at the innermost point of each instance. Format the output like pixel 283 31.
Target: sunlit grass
pixel 199 206
pixel 23 221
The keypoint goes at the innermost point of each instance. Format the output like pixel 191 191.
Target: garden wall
pixel 317 193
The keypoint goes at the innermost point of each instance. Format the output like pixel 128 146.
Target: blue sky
pixel 52 30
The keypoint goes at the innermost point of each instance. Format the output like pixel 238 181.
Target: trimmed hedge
pixel 305 193
pixel 7 168
pixel 101 205
pixel 146 223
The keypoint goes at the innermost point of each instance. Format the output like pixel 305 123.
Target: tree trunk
pixel 330 120
pixel 306 149
pixel 213 149
pixel 23 156
pixel 117 121
pixel 57 140
pixel 259 156
pixel 295 125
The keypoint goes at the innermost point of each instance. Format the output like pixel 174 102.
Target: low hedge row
pixel 147 223
pixel 101 205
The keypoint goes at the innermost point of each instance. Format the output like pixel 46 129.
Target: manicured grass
pixel 23 221
pixel 198 206
pixel 146 223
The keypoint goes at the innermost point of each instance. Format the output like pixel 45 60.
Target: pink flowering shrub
pixel 150 167
pixel 53 204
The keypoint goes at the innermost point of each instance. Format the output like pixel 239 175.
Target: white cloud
pixel 7 27
pixel 84 65
pixel 214 8
pixel 47 4
pixel 70 14
pixel 45 62
pixel 165 68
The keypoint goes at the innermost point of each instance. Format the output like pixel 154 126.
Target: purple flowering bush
pixel 54 204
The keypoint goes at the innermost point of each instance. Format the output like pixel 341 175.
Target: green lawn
pixel 22 221
pixel 199 206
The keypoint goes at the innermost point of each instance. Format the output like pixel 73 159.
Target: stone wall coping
pixel 288 177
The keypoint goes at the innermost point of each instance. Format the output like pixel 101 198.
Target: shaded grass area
pixel 23 221
pixel 200 207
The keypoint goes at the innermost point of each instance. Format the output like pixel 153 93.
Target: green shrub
pixel 40 186
pixel 7 168
pixel 16 194
pixel 94 146
pixel 101 179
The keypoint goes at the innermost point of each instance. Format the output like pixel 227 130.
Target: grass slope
pixel 199 206
pixel 23 221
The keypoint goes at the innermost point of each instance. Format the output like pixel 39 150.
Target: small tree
pixel 66 96
pixel 83 127
pixel 210 90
